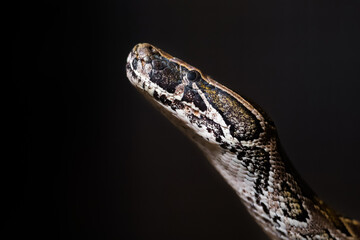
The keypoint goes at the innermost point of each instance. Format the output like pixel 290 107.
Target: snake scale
pixel 241 142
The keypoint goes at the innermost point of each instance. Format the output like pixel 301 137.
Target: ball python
pixel 241 142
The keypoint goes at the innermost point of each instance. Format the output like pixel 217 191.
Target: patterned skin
pixel 241 142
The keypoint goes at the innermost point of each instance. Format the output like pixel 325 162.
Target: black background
pixel 94 160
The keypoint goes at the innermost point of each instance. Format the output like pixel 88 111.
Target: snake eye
pixel 192 75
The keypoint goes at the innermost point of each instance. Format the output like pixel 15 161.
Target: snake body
pixel 241 142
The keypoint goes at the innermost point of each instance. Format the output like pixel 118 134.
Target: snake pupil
pixel 192 75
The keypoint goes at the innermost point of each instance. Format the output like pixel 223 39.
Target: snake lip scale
pixel 241 142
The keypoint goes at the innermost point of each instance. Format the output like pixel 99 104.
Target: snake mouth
pixel 131 66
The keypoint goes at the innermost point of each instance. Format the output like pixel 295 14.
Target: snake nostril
pixel 134 63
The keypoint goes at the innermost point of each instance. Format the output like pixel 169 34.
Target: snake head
pixel 210 112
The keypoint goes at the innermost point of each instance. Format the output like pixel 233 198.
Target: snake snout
pixel 145 51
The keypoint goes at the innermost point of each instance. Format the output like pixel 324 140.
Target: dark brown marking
pixel 243 123
pixel 190 95
pixel 209 124
pixel 165 73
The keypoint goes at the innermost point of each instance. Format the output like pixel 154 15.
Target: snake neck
pixel 273 192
